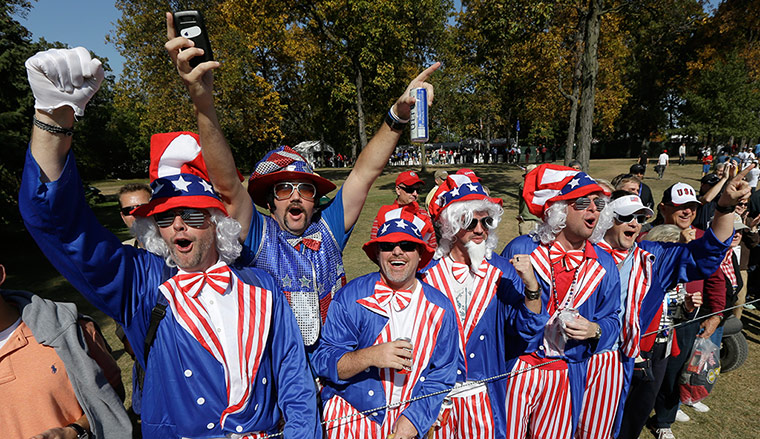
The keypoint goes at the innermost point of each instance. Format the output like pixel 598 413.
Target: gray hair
pixel 454 217
pixel 664 233
pixel 227 233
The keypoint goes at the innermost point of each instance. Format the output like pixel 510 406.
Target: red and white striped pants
pixel 470 417
pixel 343 421
pixel 604 384
pixel 538 401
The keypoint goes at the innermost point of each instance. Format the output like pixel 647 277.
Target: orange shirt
pixel 35 392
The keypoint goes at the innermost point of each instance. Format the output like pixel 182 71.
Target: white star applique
pixel 287 282
pixel 181 184
pixel 400 224
pixel 574 182
pixel 305 281
pixel 384 229
pixel 455 192
pixel 207 187
pixel 471 187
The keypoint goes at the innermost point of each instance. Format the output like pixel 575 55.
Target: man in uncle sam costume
pixel 226 359
pixel 387 340
pixel 487 293
pixel 580 286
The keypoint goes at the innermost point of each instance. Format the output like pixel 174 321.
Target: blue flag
pixel 518 125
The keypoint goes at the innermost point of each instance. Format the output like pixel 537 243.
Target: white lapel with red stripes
pixel 439 277
pixel 488 278
pixel 426 326
pixel 251 320
pixel 639 282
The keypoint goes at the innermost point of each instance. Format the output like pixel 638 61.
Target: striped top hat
pixel 549 183
pixel 283 164
pixel 399 225
pixel 459 187
pixel 178 175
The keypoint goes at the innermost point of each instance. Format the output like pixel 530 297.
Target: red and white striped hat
pixel 549 183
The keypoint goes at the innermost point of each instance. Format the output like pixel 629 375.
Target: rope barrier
pixel 503 375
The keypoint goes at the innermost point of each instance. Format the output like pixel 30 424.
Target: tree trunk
pixel 588 82
pixel 573 97
pixel 361 124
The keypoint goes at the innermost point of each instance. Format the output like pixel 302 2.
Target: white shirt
pixel 402 325
pixel 752 177
pixel 5 334
pixel 682 150
pixel 663 159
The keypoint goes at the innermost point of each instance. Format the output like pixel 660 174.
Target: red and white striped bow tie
pixel 385 295
pixel 313 241
pixel 217 277
pixel 460 271
pixel 617 255
pixel 570 259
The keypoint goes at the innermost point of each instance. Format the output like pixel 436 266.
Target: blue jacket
pixel 350 327
pixel 185 391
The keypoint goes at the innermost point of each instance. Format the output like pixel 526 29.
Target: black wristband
pixel 532 295
pixel 52 128
pixel 724 209
pixel 395 124
pixel 81 432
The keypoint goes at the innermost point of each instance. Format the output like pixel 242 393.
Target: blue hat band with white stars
pixel 180 185
pixel 580 180
pixel 399 226
pixel 463 191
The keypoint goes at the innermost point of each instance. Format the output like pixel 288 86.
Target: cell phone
pixel 732 168
pixel 190 24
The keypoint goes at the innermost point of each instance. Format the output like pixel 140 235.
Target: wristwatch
pixel 81 432
pixel 598 333
pixel 532 295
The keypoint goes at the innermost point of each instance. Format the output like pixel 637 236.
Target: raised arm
pixel 63 81
pixel 735 189
pixel 216 152
pixel 372 160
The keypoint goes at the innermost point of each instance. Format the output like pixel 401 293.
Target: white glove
pixel 61 77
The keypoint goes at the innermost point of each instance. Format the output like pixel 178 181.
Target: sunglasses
pixel 583 203
pixel 192 217
pixel 486 222
pixel 283 191
pixel 625 219
pixel 126 210
pixel 409 189
pixel 742 204
pixel 407 246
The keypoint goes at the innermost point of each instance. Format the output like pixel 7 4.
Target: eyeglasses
pixel 407 246
pixel 742 204
pixel 486 222
pixel 583 203
pixel 283 191
pixel 625 219
pixel 126 211
pixel 194 218
pixel 409 189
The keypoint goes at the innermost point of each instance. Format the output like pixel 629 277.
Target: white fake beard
pixel 477 253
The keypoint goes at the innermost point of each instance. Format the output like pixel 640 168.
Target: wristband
pixel 394 122
pixel 724 209
pixel 52 128
pixel 598 333
pixel 532 295
pixel 81 432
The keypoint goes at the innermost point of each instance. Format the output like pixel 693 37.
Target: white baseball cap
pixel 679 194
pixel 628 205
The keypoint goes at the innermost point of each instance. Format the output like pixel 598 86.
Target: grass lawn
pixel 734 401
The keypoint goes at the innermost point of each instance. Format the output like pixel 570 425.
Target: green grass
pixel 735 398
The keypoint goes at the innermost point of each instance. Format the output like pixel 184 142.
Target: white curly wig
pixel 227 233
pixel 455 216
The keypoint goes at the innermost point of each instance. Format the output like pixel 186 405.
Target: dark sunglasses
pixel 283 191
pixel 486 222
pixel 409 189
pixel 583 203
pixel 625 219
pixel 126 211
pixel 192 217
pixel 407 246
pixel 742 204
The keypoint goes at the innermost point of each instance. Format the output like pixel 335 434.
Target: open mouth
pixel 183 245
pixel 629 233
pixel 295 211
pixel 590 222
pixel 398 263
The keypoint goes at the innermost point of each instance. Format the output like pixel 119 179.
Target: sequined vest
pixel 308 278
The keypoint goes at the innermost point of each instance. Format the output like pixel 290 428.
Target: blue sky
pixel 87 22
